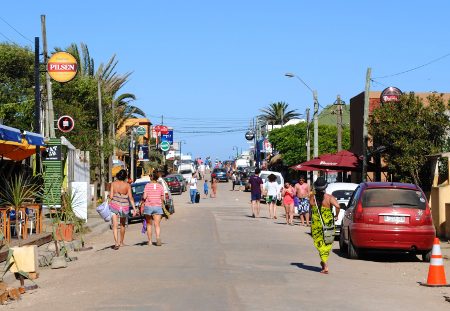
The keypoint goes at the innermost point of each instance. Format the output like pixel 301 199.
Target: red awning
pixel 342 161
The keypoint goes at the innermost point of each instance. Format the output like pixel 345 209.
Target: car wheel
pixel 342 243
pixel 352 251
pixel 426 256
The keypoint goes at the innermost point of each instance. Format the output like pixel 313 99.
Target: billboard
pixel 167 137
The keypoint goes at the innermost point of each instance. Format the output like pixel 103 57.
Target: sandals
pixel 116 247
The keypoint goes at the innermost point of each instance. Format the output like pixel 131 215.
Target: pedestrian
pixel 271 190
pixel 193 188
pixel 120 200
pixel 213 187
pixel 151 206
pixel 302 191
pixel 255 192
pixel 205 188
pixel 288 194
pixel 322 216
pixel 233 180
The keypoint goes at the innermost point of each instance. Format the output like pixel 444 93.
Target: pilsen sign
pixel 390 94
pixel 62 67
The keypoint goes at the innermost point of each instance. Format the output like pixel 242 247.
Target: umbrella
pixel 342 161
pixel 17 151
pixel 302 167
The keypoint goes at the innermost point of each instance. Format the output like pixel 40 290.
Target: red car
pixel 387 216
pixel 174 184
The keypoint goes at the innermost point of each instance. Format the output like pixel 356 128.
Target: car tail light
pixel 428 220
pixel 213 175
pixel 358 215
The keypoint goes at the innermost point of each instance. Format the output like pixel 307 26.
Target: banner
pixel 168 137
pixel 142 153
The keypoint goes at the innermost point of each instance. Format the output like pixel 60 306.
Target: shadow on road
pixel 105 248
pixel 301 265
pixel 383 256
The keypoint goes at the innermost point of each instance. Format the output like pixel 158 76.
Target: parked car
pixel 174 184
pixel 387 216
pixel 220 174
pixel 182 180
pixel 342 191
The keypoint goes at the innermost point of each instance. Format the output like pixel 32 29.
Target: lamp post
pixel 316 120
pixel 237 151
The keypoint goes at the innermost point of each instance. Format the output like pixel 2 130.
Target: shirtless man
pixel 302 191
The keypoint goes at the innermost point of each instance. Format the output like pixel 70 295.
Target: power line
pixel 4 36
pixel 415 68
pixel 16 30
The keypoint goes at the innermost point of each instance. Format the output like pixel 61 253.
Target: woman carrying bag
pixel 322 228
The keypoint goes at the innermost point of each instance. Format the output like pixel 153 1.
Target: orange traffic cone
pixel 436 273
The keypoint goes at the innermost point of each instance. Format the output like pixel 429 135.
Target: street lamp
pixel 316 121
pixel 237 151
pixel 181 142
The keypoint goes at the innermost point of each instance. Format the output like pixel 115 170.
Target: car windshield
pixel 170 179
pixel 264 177
pixel 186 172
pixel 342 194
pixel 138 189
pixel 219 171
pixel 389 197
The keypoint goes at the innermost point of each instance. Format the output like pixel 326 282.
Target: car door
pixel 348 216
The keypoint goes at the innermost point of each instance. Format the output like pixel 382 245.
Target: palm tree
pixel 278 113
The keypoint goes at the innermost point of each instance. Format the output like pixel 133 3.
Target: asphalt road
pixel 215 257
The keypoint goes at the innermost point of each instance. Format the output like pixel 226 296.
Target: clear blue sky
pixel 211 65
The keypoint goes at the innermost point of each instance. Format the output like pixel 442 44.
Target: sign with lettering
pixel 62 67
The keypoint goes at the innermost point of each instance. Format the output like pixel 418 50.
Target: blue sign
pixel 167 137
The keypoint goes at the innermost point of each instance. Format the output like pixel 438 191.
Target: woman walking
pixel 153 202
pixel 119 204
pixel 213 187
pixel 322 216
pixel 272 190
pixel 288 194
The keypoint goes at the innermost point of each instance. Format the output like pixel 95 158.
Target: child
pixel 205 188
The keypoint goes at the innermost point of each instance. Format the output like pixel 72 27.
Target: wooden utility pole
pixel 49 113
pixel 366 119
pixel 339 123
pixel 308 137
pixel 316 125
pixel 100 128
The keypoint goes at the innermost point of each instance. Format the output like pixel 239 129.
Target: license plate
pixel 395 219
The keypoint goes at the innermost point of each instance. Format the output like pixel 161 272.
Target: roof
pixel 391 185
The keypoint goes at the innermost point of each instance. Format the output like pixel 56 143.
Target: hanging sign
pixel 65 124
pixel 391 94
pixel 167 137
pixel 249 135
pixel 62 67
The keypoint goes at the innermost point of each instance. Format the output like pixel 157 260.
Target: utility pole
pixel 308 137
pixel 132 154
pixel 100 127
pixel 366 119
pixel 316 125
pixel 339 123
pixel 37 102
pixel 49 113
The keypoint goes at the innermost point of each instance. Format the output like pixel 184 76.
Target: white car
pixel 280 179
pixel 342 191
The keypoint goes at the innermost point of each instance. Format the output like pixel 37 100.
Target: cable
pixel 4 36
pixel 378 83
pixel 415 68
pixel 16 31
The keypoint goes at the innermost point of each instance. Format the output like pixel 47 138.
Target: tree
pixel 420 131
pixel 278 113
pixel 290 141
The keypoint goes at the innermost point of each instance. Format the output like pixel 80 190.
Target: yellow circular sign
pixel 62 67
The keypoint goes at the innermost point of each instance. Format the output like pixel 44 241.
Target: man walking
pixel 256 185
pixel 193 188
pixel 302 191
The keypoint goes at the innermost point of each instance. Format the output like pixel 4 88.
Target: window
pixel 394 197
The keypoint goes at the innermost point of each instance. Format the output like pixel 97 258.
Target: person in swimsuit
pixel 302 191
pixel 119 204
pixel 153 200
pixel 213 187
pixel 322 203
pixel 288 194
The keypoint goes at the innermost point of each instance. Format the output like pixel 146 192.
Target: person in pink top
pixel 153 200
pixel 302 191
pixel 288 194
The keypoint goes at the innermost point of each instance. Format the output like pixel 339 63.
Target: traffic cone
pixel 436 273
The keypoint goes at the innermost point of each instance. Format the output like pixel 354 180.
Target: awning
pixel 10 134
pixel 17 151
pixel 34 139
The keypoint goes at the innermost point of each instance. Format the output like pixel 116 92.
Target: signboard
pixel 141 131
pixel 80 199
pixel 390 94
pixel 52 153
pixel 62 67
pixel 65 124
pixel 249 135
pixel 167 137
pixel 143 153
pixel 161 129
pixel 164 146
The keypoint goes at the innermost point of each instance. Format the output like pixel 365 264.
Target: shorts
pixel 271 198
pixel 121 214
pixel 255 196
pixel 153 210
pixel 205 192
pixel 304 206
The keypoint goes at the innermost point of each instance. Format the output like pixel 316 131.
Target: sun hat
pixel 320 184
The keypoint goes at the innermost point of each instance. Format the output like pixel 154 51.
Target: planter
pixel 59 262
pixel 64 232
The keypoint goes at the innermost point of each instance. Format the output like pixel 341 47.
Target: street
pixel 216 257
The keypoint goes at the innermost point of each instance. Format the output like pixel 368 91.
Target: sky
pixel 210 66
